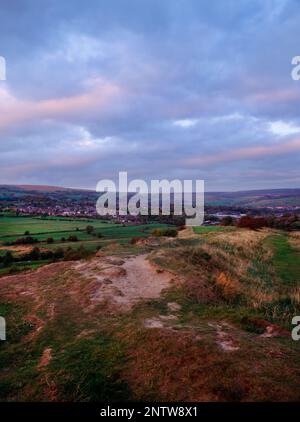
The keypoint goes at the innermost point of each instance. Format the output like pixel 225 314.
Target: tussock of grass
pixel 241 268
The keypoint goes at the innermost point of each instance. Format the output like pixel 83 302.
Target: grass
pixel 243 274
pixel 89 370
pixel 17 267
pixel 286 259
pixel 12 228
pixel 17 362
pixel 16 226
pixel 212 229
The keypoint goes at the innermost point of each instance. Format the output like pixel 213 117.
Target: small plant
pixel 135 240
pixel 168 232
pixel 72 238
pixel 89 229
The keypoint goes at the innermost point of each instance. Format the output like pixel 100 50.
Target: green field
pixel 16 226
pixel 12 228
pixel 212 229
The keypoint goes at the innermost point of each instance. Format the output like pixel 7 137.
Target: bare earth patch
pixel 46 358
pixel 124 283
pixel 17 248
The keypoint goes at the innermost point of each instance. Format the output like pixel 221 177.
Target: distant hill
pixel 255 198
pixel 250 198
pixel 40 188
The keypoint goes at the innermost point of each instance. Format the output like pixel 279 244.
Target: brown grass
pixel 230 288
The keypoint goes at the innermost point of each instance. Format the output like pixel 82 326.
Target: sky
pixel 185 89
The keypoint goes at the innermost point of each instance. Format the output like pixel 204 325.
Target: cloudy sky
pixel 159 88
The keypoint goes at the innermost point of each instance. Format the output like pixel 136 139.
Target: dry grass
pixel 168 365
pixel 230 288
pixel 295 296
pixel 243 238
pixel 294 240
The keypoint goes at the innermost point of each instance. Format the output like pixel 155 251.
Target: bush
pixel 169 232
pixel 50 240
pixel 34 254
pixel 7 258
pixel 252 222
pixel 295 225
pixel 58 253
pixel 89 229
pixel 227 221
pixel 73 238
pixel 25 240
pixel 74 255
pixel 135 240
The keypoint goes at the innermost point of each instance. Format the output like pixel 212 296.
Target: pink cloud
pixel 15 111
pixel 275 96
pixel 245 153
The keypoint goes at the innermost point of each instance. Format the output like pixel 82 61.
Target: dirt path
pixel 126 282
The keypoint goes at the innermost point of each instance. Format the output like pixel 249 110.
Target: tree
pixel 72 238
pixel 50 240
pixel 26 240
pixel 8 258
pixel 227 221
pixel 34 254
pixel 253 223
pixel 89 229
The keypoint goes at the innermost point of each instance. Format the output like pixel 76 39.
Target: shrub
pixel 197 289
pixel 25 240
pixel 74 255
pixel 164 232
pixel 227 221
pixel 7 258
pixel 50 240
pixel 73 238
pixel 34 254
pixel 252 222
pixel 89 229
pixel 58 253
pixel 134 240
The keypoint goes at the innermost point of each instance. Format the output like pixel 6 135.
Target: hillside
pixel 247 199
pixel 171 319
pixel 255 198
